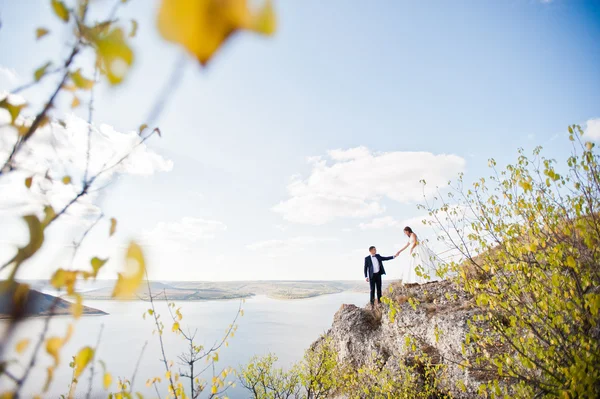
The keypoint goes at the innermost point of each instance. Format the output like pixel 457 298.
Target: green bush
pixel 529 236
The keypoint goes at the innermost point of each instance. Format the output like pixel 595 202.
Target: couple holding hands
pixel 423 266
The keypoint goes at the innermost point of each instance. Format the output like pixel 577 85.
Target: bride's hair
pixel 409 230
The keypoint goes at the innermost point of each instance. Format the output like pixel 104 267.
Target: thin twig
pixel 168 89
pixel 36 351
pixel 26 86
pixel 77 245
pixel 92 367
pixel 42 115
pixel 137 366
pixel 89 121
pixel 159 331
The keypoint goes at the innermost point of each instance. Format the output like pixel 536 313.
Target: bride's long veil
pixel 429 265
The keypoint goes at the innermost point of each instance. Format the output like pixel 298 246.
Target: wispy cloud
pixel 289 246
pixel 182 234
pixel 56 151
pixel 352 183
pixel 8 75
pixel 379 223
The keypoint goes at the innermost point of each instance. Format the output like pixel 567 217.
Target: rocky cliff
pixel 428 319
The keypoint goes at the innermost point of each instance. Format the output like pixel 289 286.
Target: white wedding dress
pixel 423 265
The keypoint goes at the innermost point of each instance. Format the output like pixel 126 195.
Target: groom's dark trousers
pixel 375 282
pixel 375 278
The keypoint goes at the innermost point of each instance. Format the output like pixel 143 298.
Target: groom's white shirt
pixel 376 266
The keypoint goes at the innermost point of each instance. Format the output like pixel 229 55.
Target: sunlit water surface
pixel 283 327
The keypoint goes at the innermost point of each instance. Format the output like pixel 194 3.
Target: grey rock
pixel 437 325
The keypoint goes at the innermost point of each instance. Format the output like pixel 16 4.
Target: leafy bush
pixel 530 237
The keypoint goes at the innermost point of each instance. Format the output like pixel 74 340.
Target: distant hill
pixel 220 290
pixel 34 303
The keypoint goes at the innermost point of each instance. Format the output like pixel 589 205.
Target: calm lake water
pixel 283 327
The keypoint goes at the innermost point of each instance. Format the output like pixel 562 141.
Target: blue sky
pixel 457 81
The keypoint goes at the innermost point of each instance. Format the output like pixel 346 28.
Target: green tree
pixel 264 380
pixel 529 238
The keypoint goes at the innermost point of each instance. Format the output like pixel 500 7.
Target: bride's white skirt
pixel 423 267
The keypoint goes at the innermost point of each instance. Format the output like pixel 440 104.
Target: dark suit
pixel 375 278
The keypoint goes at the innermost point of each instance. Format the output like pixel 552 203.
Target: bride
pixel 424 265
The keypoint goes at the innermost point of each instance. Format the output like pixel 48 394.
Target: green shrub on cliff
pixel 530 239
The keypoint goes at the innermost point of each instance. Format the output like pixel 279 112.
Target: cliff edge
pixel 428 321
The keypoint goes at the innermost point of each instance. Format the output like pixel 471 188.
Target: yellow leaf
pixel 571 262
pixel 49 215
pixel 589 145
pixel 83 358
pixel 13 110
pixel 134 28
pixel 49 378
pixel 265 21
pixel 202 26
pixel 41 71
pixel 142 128
pixel 80 81
pixel 53 346
pixel 60 10
pixel 69 87
pixel 113 226
pixel 168 375
pixel 21 294
pixel 175 327
pixel 214 390
pixel 36 239
pixel 75 102
pixel 97 264
pixel 41 32
pixel 66 180
pixel 128 283
pixel 114 55
pixel 77 306
pixel 107 380
pixel 22 346
pixel 28 182
pixel 64 279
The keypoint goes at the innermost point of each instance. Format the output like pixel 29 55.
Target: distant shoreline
pixel 200 291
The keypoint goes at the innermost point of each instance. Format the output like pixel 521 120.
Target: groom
pixel 373 272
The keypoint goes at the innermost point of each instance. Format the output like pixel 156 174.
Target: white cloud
pixel 8 75
pixel 592 129
pixel 379 223
pixel 56 151
pixel 323 208
pixel 281 227
pixel 183 234
pixel 287 247
pixel 355 181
